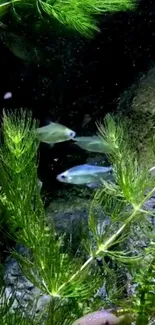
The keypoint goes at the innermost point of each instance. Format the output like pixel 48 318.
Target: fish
pixel 85 174
pixel 7 95
pixel 93 143
pixel 54 133
pixel 98 318
pixel 21 47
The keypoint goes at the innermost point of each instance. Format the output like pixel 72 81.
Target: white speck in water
pixel 7 95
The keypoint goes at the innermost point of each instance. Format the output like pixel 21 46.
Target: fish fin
pixel 47 122
pixel 48 144
pixel 93 185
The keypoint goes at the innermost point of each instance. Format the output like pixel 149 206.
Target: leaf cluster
pixel 75 15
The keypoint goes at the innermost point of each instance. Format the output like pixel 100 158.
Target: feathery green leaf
pixel 74 14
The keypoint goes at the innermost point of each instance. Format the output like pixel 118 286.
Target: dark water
pixel 75 76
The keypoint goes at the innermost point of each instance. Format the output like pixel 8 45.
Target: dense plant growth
pixel 123 240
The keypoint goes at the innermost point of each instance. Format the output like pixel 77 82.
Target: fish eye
pixel 72 134
pixel 63 176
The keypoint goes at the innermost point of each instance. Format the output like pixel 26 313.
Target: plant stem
pixel 106 245
pixel 8 3
pixel 90 259
pixel 147 197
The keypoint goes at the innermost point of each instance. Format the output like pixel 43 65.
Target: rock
pixel 137 105
pixel 71 216
pixel 27 297
pixel 140 97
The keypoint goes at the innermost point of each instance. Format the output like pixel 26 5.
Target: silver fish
pixel 85 174
pixel 54 133
pixel 93 144
pixel 7 95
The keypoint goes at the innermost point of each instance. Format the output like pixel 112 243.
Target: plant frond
pixel 72 17
pixel 73 14
pixel 132 177
pixel 54 272
pixel 58 313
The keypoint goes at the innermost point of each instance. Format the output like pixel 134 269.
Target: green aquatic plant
pixel 77 15
pixel 113 238
pixel 127 198
pixel 18 166
pixel 143 299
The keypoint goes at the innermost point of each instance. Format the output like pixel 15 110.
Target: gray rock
pixel 27 297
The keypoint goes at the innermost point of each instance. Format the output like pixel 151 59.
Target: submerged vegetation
pixel 123 235
pixel 79 15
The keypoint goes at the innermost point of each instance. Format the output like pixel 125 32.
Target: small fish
pixel 85 174
pixel 54 133
pixel 7 95
pixel 98 318
pixel 93 144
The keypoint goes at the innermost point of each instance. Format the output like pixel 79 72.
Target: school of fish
pixel 89 175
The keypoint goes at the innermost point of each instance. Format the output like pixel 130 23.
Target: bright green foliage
pixel 18 168
pixel 71 281
pixel 47 265
pixel 131 175
pixel 124 202
pixel 143 300
pixel 78 15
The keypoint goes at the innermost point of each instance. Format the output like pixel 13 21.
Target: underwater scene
pixel 77 162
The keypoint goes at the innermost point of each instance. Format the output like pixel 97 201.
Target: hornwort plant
pixel 122 239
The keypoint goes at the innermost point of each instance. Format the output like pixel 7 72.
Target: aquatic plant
pixel 127 197
pixel 72 281
pixel 76 15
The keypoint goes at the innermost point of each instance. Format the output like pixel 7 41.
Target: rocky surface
pixel 28 298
